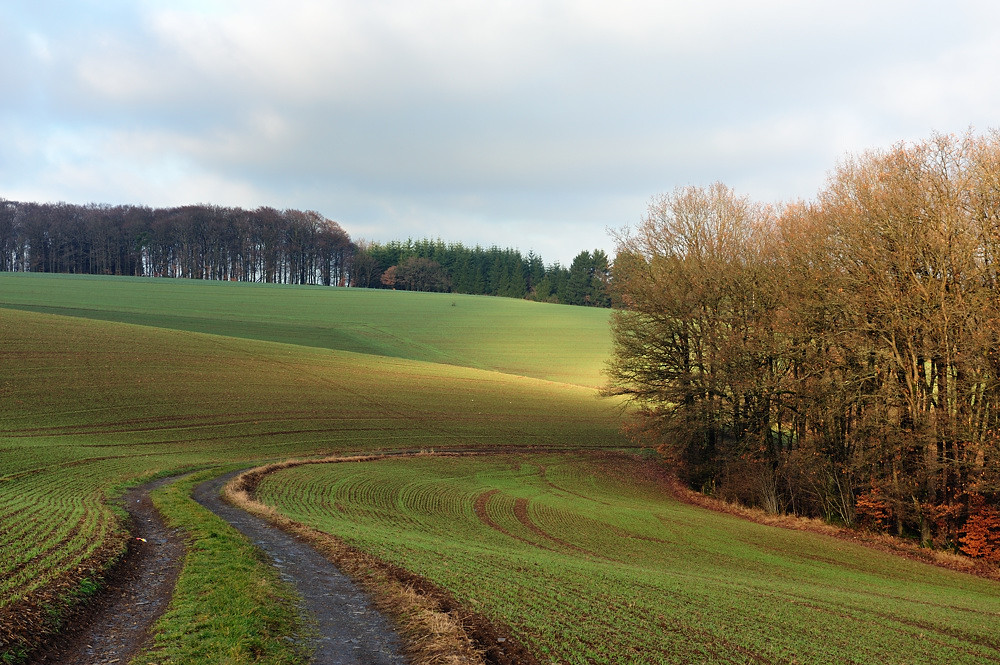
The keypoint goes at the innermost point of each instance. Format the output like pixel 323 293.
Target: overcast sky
pixel 537 125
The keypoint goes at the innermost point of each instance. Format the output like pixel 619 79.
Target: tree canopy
pixel 269 245
pixel 835 358
pixel 197 241
pixel 478 271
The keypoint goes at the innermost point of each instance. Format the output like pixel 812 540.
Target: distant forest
pixel 432 265
pixel 275 246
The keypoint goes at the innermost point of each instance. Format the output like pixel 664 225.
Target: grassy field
pixel 230 604
pixel 590 561
pixel 107 381
pixel 88 404
pixel 553 342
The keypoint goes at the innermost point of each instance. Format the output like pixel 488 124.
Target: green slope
pixel 553 342
pixel 612 570
pixel 91 401
pixel 590 561
pixel 86 405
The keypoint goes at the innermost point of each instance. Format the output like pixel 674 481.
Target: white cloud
pixel 551 119
pixel 954 89
pixel 40 47
pixel 114 167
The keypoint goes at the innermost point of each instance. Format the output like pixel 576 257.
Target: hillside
pixel 157 377
pixel 552 342
pixel 91 404
pixel 589 560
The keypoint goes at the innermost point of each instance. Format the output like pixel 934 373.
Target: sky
pixel 540 125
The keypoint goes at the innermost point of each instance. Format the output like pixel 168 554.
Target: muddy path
pixel 349 630
pixel 116 625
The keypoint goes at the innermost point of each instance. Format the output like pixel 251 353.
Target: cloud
pixel 548 120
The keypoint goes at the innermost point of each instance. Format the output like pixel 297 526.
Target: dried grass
pixel 878 541
pixel 437 631
pixel 27 622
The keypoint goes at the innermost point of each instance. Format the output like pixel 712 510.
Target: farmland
pixel 89 405
pixel 557 343
pixel 587 559
pixel 108 381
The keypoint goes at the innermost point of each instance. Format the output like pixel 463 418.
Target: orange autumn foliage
pixel 873 511
pixel 982 531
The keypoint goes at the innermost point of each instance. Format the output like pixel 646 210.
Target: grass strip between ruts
pixel 435 628
pixel 229 605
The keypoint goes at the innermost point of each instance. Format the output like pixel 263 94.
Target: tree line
pixel 836 358
pixel 196 241
pixel 433 265
pixel 274 246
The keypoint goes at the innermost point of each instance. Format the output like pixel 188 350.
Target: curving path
pixel 350 630
pixel 116 625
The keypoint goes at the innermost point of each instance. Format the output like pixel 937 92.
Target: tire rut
pixel 350 631
pixel 116 624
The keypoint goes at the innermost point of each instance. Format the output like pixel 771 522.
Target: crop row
pixel 514 336
pixel 51 523
pixel 89 406
pixel 590 563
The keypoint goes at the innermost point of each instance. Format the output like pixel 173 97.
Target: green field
pixel 88 404
pixel 107 381
pixel 590 561
pixel 554 342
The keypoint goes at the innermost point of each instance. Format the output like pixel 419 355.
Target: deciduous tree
pixel 837 349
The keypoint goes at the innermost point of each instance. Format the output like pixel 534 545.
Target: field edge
pixel 435 626
pixel 881 542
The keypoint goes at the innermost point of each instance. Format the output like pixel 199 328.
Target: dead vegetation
pixel 436 628
pixel 836 358
pixel 878 541
pixel 32 620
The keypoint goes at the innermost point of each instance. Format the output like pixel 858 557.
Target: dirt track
pixel 116 625
pixel 350 630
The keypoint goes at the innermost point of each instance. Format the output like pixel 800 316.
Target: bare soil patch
pixel 479 507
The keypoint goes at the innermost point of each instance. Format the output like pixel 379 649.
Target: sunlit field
pixel 553 342
pixel 589 560
pixel 89 404
pixel 580 550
